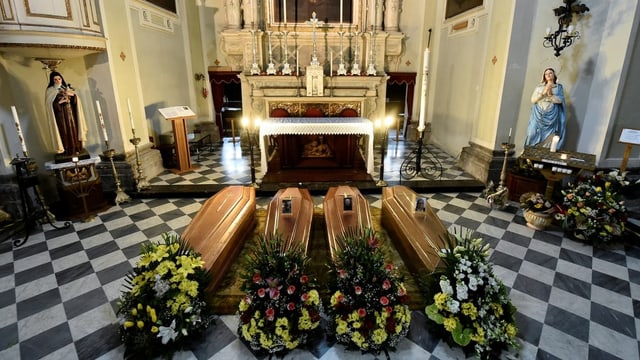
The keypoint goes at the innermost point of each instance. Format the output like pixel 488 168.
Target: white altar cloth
pixel 312 126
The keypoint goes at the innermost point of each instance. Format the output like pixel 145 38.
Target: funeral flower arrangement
pixel 471 307
pixel 164 308
pixel 281 307
pixel 367 309
pixel 593 209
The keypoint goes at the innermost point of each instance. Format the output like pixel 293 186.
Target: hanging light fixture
pixel 566 33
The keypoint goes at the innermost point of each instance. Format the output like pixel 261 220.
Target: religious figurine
pixel 65 119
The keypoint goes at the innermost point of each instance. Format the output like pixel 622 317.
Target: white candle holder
pixel 271 67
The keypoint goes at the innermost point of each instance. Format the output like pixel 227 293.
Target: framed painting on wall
pixel 457 7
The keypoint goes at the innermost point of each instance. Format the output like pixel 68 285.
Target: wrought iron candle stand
pixel 121 196
pixel 141 180
pixel 429 167
pixel 32 212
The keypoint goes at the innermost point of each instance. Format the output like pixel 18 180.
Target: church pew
pixel 290 213
pixel 417 234
pixel 341 214
pixel 219 230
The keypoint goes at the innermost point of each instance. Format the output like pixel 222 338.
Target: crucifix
pixel 314 21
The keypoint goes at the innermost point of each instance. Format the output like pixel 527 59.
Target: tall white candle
pixel 18 129
pixel 130 114
pixel 340 11
pixel 554 143
pixel 509 140
pixel 104 129
pixel 284 11
pixel 331 63
pixel 423 97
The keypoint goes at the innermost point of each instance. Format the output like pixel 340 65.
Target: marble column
pixel 233 14
pixel 391 15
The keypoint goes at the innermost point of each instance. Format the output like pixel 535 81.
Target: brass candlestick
pixel 141 180
pixel 121 196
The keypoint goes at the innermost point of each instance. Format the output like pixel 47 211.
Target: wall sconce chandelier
pixel 566 34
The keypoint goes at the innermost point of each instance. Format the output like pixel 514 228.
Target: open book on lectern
pixel 176 112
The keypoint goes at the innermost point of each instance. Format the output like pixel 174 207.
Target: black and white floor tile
pixel 58 291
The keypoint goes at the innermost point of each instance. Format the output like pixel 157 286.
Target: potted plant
pixel 164 308
pixel 471 307
pixel 367 310
pixel 281 308
pixel 592 209
pixel 537 210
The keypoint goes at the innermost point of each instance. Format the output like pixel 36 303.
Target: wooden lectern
pixel 178 116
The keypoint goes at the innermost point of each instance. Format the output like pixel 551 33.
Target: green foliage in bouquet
pixel 281 308
pixel 163 308
pixel 593 209
pixel 470 304
pixel 367 309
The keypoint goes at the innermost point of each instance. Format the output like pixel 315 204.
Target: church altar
pixel 316 126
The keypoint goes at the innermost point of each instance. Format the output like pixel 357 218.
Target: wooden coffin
pixel 344 208
pixel 290 214
pixel 219 230
pixel 417 233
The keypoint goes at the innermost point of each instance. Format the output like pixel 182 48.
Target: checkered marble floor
pixel 58 292
pixel 228 163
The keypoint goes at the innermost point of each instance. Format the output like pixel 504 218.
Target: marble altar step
pixel 417 234
pixel 290 214
pixel 344 208
pixel 219 230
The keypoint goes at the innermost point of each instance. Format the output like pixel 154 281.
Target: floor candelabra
pixel 252 129
pixel 500 196
pixel 141 180
pixel 121 196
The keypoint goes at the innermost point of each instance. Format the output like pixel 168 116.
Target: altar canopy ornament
pixel 566 33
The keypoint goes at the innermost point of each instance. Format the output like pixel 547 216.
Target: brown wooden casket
pixel 290 214
pixel 220 229
pixel 344 208
pixel 416 231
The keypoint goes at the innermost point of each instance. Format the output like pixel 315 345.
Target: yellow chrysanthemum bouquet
pixel 164 305
pixel 367 309
pixel 281 308
pixel 471 307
